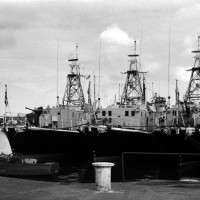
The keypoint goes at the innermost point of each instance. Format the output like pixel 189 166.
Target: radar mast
pixel 193 91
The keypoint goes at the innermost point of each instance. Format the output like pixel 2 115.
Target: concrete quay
pixel 25 189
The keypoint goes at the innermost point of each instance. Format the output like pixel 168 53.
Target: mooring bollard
pixel 103 176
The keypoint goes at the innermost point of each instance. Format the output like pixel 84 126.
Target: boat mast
pixel 177 102
pixel 193 91
pixel 133 92
pixel 119 93
pixel 94 92
pixel 6 102
pixel 152 91
pixel 73 95
pixel 140 49
pixel 57 78
pixel 168 103
pixel 89 94
pixel 99 71
pixel 144 90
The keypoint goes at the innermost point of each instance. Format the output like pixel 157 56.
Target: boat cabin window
pixel 103 113
pixel 174 112
pixel 160 100
pixel 132 113
pixel 73 114
pixel 126 113
pixel 109 113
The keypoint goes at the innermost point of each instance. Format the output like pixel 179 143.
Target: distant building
pixel 14 118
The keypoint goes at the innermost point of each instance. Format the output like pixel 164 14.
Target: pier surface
pixel 23 189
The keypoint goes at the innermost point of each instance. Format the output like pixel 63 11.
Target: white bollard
pixel 103 176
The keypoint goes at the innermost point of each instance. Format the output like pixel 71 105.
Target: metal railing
pixel 155 153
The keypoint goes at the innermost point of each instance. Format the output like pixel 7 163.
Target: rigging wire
pixel 99 70
pixel 140 49
pixel 169 61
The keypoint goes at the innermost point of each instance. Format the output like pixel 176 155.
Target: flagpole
pixel 5 103
pixel 5 115
pixel 99 72
pixel 177 102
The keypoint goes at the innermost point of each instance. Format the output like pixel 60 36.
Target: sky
pixel 37 37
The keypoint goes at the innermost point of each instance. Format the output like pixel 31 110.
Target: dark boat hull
pixel 107 143
pixel 47 143
pixel 178 142
pixel 160 144
pixel 41 142
pixel 112 142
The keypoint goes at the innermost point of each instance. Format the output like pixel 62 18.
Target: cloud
pixel 188 41
pixel 192 10
pixel 7 40
pixel 191 43
pixel 151 67
pixel 182 74
pixel 114 35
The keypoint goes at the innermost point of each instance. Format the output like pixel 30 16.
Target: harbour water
pixel 4 144
pixel 132 168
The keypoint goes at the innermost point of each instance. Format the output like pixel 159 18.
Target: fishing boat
pixel 125 126
pixel 177 128
pixel 18 165
pixel 54 131
pixel 154 128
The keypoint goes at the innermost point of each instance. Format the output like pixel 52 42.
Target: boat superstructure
pixel 73 111
pixel 131 111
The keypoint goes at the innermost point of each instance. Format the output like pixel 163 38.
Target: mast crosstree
pixel 193 91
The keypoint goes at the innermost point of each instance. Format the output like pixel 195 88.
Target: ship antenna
pixel 57 76
pixel 76 51
pixel 99 71
pixel 177 101
pixel 134 46
pixel 119 93
pixel 140 49
pixel 94 92
pixel 199 46
pixel 169 68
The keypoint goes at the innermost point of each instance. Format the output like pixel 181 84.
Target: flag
pixel 89 97
pixel 6 98
pixel 87 77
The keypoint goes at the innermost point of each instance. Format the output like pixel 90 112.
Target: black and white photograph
pixel 99 99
